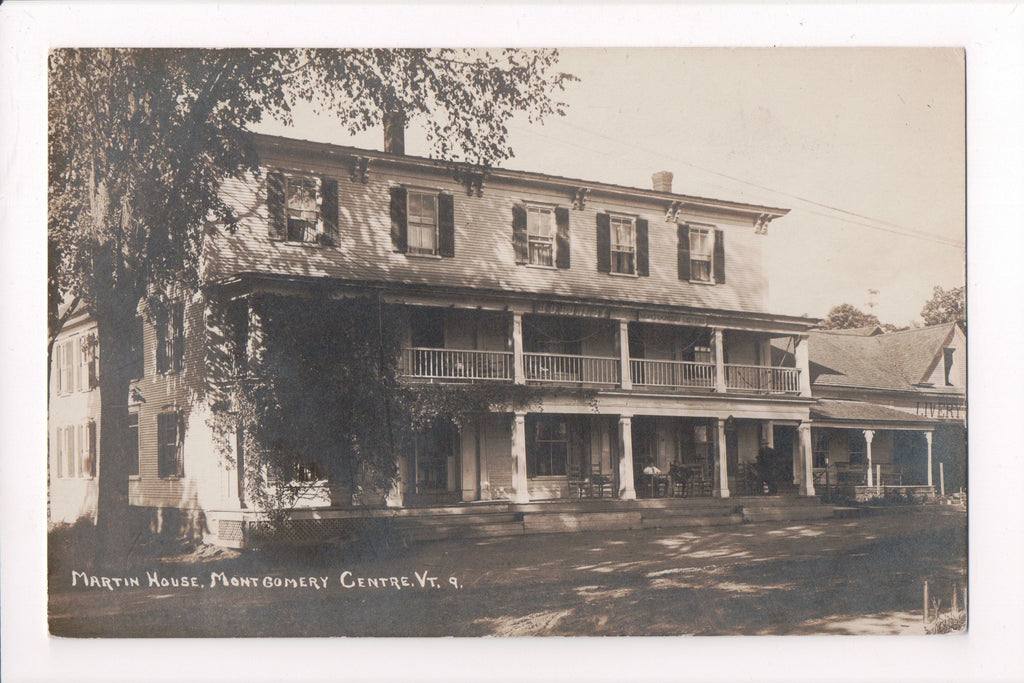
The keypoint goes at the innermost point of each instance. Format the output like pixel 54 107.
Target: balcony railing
pixel 560 368
pixel 761 379
pixel 672 374
pixel 457 364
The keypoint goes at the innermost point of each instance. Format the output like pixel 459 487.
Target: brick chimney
pixel 394 132
pixel 662 181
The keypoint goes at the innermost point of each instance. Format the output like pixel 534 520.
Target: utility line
pixel 877 223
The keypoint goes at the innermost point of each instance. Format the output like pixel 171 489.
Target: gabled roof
pixel 867 331
pixel 859 358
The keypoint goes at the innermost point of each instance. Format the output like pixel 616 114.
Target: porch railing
pixel 672 373
pixel 561 368
pixel 457 364
pixel 762 379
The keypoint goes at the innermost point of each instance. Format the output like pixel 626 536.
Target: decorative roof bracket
pixel 579 198
pixel 359 169
pixel 672 212
pixel 472 180
pixel 761 223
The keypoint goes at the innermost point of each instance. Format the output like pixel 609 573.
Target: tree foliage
pixel 946 306
pixel 320 397
pixel 847 316
pixel 141 139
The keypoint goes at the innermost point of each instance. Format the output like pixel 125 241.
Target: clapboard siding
pixel 484 256
pixel 156 393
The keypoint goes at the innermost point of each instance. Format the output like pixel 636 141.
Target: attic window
pixel 947 364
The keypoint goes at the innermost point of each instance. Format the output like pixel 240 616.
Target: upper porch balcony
pixel 563 352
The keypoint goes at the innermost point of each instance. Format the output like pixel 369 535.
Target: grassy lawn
pixel 833 576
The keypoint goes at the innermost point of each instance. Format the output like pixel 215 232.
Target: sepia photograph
pixel 526 343
pixel 367 334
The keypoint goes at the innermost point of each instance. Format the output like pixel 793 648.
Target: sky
pixel 866 146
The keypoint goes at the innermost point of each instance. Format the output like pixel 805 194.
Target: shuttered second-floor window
pixel 622 245
pixel 302 208
pixel 170 339
pixel 422 222
pixel 701 254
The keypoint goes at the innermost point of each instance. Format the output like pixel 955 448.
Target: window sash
pixel 540 232
pixel 421 220
pixel 701 248
pixel 302 207
pixel 623 238
pixel 169 445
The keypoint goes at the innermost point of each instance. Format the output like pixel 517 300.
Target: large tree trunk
pixel 114 322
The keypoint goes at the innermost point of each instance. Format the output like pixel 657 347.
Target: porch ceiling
pixel 831 412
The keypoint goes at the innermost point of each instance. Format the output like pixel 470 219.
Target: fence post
pixel 926 602
pixel 942 480
pixel 954 610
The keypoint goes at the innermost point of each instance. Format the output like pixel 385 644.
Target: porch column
pixel 868 436
pixel 719 359
pixel 518 368
pixel 803 365
pixel 807 481
pixel 627 379
pixel 798 468
pixel 928 438
pixel 722 462
pixel 520 488
pixel 768 434
pixel 626 488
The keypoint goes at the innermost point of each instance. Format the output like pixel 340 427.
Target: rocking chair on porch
pixel 580 483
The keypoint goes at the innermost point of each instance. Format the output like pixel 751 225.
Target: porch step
pixel 539 523
pixel 795 510
pixel 440 532
pixel 443 520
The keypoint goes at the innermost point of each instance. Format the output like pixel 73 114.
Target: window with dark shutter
pixel 276 205
pixel 399 219
pixel 446 225
pixel 604 243
pixel 642 250
pixel 519 243
pixel 719 258
pixel 170 348
pixel 169 460
pixel 684 252
pixel 562 237
pixel 330 210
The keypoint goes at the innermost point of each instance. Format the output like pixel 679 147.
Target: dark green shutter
pixel 329 207
pixel 684 252
pixel 642 251
pixel 519 238
pixel 604 243
pixel 446 224
pixel 719 257
pixel 562 237
pixel 399 219
pixel 276 205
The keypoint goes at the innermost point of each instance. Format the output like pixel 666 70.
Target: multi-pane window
pixel 168 436
pixel 821 450
pixel 702 354
pixel 302 207
pixel 66 452
pixel 65 367
pixel 87 358
pixel 422 223
pixel 548 453
pixel 701 247
pixel 540 228
pixel 432 448
pixel 87 446
pixel 858 445
pixel 133 444
pixel 623 236
pixel 170 328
